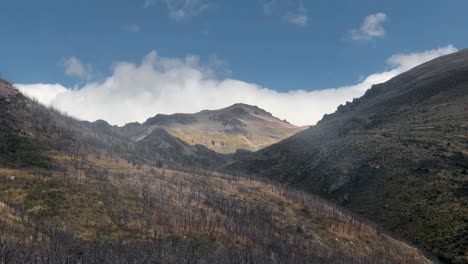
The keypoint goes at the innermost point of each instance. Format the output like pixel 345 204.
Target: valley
pixel 396 156
pixel 68 188
pixel 233 132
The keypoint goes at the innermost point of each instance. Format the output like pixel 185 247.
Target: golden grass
pixel 111 199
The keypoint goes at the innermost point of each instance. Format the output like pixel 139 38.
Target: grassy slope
pixel 226 130
pixel 111 199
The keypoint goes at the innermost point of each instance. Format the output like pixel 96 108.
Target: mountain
pixel 28 130
pixel 227 130
pixel 75 192
pixel 398 155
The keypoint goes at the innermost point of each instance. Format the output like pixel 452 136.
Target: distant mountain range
pixel 398 155
pixel 227 130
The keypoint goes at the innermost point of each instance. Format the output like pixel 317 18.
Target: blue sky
pixel 284 45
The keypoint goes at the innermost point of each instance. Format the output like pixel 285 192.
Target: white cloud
pixel 292 11
pixel 134 28
pixel 371 28
pixel 135 92
pixel 298 17
pixel 74 68
pixel 411 60
pixel 44 93
pixel 180 9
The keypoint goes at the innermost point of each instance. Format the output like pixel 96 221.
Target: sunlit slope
pixel 239 126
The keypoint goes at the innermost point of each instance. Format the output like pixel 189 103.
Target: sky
pixel 126 61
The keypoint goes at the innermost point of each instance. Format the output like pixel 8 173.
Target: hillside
pixel 29 129
pixel 111 201
pixel 398 155
pixel 239 126
pixel 71 193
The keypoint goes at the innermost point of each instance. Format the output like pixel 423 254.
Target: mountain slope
pixel 29 130
pixel 109 201
pixel 398 155
pixel 92 197
pixel 239 126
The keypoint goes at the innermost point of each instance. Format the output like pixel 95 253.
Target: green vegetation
pixel 20 151
pixel 46 199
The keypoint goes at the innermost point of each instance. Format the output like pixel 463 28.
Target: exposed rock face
pixel 394 155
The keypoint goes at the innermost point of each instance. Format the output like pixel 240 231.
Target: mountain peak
pixel 239 126
pixel 243 106
pixel 241 109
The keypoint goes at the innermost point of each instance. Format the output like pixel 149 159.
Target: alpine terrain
pixel 398 156
pixel 72 192
pixel 227 130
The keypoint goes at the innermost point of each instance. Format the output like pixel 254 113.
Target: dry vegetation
pixel 107 200
pixel 73 193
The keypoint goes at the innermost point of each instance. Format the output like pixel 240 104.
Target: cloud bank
pixel 44 93
pixel 371 28
pixel 158 85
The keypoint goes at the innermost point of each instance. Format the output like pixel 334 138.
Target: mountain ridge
pixel 398 155
pixel 226 130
